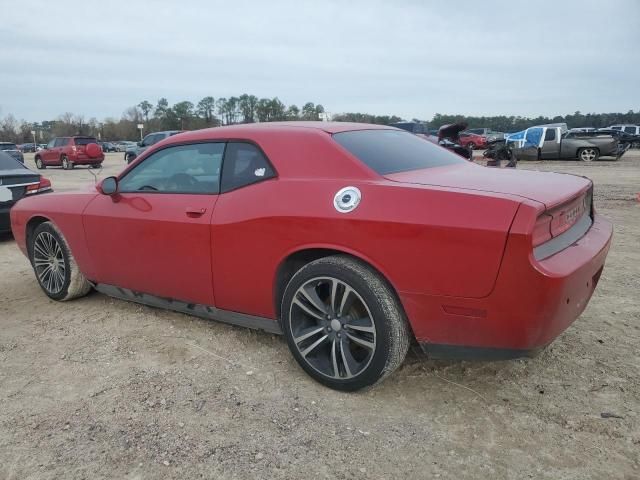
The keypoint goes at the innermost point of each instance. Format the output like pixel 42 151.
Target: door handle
pixel 195 212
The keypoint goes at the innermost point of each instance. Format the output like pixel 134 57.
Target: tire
pixel 39 164
pixel 66 164
pixel 49 252
pixel 471 145
pixel 129 158
pixel 343 323
pixel 588 154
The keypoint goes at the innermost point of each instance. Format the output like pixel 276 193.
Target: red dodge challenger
pixel 349 239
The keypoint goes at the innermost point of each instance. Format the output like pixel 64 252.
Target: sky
pixel 410 58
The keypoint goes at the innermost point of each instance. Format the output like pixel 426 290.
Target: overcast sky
pixel 411 58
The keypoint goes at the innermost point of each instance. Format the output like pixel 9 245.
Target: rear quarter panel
pixel 423 239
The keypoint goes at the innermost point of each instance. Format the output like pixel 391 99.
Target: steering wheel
pixel 181 180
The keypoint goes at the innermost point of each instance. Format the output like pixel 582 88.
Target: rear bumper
pixel 531 304
pixel 86 160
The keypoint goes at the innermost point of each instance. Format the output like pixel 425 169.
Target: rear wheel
pixel 471 145
pixel 39 164
pixel 66 163
pixel 588 154
pixel 54 265
pixel 343 323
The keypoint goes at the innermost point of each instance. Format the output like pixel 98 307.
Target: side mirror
pixel 141 144
pixel 109 186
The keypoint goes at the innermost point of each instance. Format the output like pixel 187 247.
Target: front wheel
pixel 343 323
pixel 39 164
pixel 588 154
pixel 54 265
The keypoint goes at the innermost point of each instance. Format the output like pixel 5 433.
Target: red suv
pixel 70 151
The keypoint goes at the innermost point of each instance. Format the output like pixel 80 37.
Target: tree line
pixel 212 112
pixel 184 115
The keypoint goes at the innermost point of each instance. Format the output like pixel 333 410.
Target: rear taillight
pixel 43 186
pixel 555 222
pixel 542 230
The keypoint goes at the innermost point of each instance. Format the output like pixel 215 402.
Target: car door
pixel 48 153
pixel 58 150
pixel 153 235
pixel 529 149
pixel 241 266
pixel 550 144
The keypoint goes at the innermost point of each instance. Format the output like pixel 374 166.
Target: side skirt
pixel 195 309
pixel 470 353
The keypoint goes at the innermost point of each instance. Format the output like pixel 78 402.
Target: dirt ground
pixel 101 388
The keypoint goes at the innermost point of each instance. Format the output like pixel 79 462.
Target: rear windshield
pixel 392 151
pixel 84 140
pixel 8 146
pixel 7 162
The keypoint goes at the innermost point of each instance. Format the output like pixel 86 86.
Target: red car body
pixel 483 261
pixel 472 140
pixel 75 149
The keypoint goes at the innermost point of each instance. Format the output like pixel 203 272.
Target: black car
pixel 28 147
pixel 16 182
pixel 12 149
pixel 107 147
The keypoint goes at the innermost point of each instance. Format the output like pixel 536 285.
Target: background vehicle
pixel 107 147
pixel 486 132
pixel 497 151
pixel 123 145
pixel 624 138
pixel 627 128
pixel 16 182
pixel 27 147
pixel 553 141
pixel 12 149
pixel 348 260
pixel 68 152
pixel 472 140
pixel 151 139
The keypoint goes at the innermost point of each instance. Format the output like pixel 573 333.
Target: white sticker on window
pixel 259 172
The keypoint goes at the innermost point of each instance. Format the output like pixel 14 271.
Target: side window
pixel 630 129
pixel 181 169
pixel 616 128
pixel 60 142
pixel 550 134
pixel 244 164
pixel 51 144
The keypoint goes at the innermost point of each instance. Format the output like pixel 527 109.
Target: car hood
pixel 548 188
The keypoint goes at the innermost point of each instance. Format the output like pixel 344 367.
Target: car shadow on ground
pixel 6 237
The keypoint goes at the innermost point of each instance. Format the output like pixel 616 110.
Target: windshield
pixel 8 146
pixel 393 151
pixel 7 162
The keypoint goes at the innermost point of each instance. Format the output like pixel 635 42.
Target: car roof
pixel 281 127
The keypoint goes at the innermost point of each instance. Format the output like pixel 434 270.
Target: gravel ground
pixel 100 388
